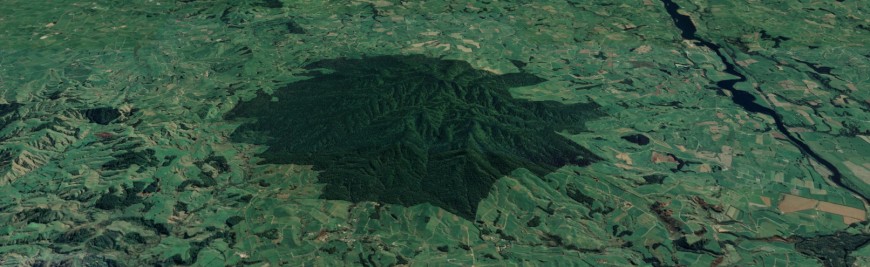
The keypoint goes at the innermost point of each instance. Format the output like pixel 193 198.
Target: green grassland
pixel 121 134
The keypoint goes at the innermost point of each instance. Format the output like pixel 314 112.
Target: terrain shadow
pixel 412 129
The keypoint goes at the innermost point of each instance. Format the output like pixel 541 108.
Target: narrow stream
pixel 745 99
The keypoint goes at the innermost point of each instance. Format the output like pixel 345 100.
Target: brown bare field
pixel 766 201
pixel 845 211
pixel 792 203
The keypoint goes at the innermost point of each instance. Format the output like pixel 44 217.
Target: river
pixel 745 99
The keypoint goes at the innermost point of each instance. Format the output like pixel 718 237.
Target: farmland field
pixel 434 133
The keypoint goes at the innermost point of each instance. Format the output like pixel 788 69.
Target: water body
pixel 745 99
pixel 637 139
